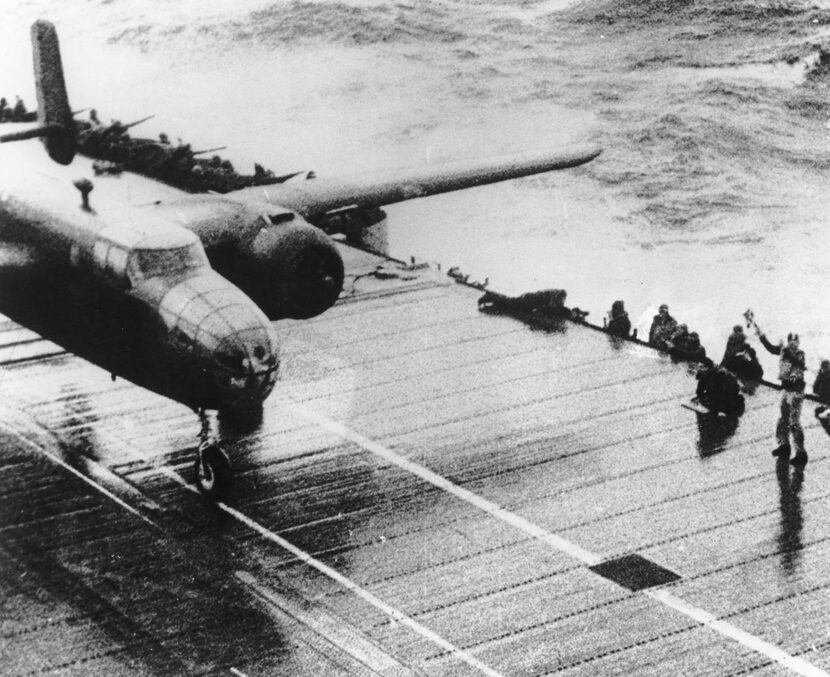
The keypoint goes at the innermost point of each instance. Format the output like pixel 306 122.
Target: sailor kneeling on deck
pixel 821 387
pixel 618 322
pixel 740 358
pixel 685 345
pixel 719 391
pixel 663 327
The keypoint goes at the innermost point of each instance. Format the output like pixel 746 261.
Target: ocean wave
pixel 751 15
pixel 281 24
pixel 686 214
pixel 735 92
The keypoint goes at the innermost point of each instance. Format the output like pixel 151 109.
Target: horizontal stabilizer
pixel 32 133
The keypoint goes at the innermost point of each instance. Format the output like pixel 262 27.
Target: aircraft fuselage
pixel 130 292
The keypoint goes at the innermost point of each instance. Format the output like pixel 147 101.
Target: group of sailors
pixel 114 151
pixel 176 164
pixel 720 387
pixel 676 339
pixel 665 333
pixel 668 335
pixel 16 113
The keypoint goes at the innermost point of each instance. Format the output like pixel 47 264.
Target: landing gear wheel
pixel 213 472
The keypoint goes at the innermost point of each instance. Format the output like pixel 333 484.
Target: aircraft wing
pixel 315 197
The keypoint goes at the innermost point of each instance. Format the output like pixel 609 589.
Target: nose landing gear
pixel 213 468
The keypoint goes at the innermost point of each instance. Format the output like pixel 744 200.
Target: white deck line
pixel 724 628
pixel 347 583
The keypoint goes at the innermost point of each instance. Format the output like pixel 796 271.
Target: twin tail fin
pixel 56 126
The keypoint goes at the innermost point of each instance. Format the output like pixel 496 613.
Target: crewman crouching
pixel 663 327
pixel 821 387
pixel 740 357
pixel 618 322
pixel 719 391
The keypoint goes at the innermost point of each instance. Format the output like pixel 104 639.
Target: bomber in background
pixel 176 292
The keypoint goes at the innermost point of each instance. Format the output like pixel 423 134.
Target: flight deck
pixel 434 490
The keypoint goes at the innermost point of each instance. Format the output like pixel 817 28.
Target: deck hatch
pixel 634 572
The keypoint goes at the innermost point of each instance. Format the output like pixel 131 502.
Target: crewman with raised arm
pixel 791 366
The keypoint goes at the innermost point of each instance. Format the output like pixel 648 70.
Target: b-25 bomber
pixel 176 292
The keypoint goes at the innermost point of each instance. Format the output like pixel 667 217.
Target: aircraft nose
pixel 248 365
pixel 234 340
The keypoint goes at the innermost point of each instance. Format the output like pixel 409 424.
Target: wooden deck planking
pixel 582 437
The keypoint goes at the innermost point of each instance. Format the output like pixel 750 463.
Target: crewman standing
pixel 791 366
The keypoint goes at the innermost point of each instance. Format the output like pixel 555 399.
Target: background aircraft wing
pixel 314 197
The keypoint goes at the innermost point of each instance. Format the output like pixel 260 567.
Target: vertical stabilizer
pixel 54 114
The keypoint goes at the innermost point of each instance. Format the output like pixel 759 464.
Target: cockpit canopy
pixel 127 256
pixel 146 263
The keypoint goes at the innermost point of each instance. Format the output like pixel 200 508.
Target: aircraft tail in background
pixel 56 126
pixel 53 109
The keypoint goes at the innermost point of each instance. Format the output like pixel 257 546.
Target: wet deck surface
pixel 433 491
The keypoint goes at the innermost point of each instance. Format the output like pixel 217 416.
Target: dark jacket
pixel 719 390
pixel 619 325
pixel 662 329
pixel 744 364
pixel 821 387
pixel 734 344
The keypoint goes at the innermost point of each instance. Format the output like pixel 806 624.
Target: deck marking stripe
pixel 347 583
pixel 340 634
pixel 794 663
pixel 441 482
pixel 56 459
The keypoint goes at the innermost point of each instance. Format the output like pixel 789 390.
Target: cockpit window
pixel 155 262
pixel 117 260
pixel 111 260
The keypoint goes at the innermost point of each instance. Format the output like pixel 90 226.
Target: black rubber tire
pixel 213 472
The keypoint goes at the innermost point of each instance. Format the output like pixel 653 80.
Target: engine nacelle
pixel 290 270
pixel 285 265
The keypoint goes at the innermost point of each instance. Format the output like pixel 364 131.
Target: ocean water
pixel 711 193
